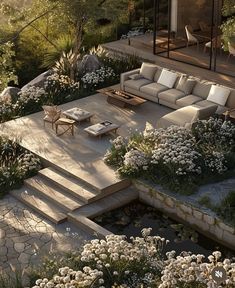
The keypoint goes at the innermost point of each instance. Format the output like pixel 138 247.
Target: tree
pixel 7 71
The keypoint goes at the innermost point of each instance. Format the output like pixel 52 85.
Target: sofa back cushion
pixel 157 74
pixel 231 100
pixel 186 84
pixel 218 94
pixel 148 70
pixel 201 89
pixel 167 78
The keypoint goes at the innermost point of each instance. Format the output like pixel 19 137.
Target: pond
pixel 129 220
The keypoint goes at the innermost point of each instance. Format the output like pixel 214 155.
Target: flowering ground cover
pixel 16 164
pixel 59 88
pixel 177 158
pixel 131 263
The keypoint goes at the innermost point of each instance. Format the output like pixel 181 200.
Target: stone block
pixel 169 202
pixel 217 231
pixel 186 209
pixel 225 227
pixel 181 214
pixel 209 219
pixel 197 214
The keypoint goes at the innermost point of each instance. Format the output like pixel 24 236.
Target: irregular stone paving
pixel 25 236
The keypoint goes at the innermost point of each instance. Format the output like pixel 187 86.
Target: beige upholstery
pixel 178 96
pixel 171 95
pixel 188 100
pixel 136 84
pixel 148 70
pixel 153 89
pixel 186 115
pixel 201 89
pixel 206 103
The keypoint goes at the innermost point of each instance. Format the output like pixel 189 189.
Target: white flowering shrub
pixel 100 78
pixel 112 262
pixel 30 100
pixel 60 89
pixel 115 155
pixel 216 142
pixel 177 157
pixel 7 111
pixel 191 270
pixel 137 263
pixel 16 164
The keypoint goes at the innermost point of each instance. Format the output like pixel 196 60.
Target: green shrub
pixel 16 164
pixel 226 209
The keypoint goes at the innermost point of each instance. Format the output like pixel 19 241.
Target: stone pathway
pixel 25 236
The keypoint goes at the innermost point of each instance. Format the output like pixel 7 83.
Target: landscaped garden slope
pixel 178 158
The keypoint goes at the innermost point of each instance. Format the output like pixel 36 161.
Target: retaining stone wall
pixel 207 224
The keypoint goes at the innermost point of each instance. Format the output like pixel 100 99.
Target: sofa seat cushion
pixel 153 89
pixel 188 100
pixel 206 103
pixel 171 95
pixel 136 84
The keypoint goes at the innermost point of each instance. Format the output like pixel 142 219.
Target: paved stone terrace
pixel 25 236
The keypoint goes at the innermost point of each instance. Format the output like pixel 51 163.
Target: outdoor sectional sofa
pixel 193 98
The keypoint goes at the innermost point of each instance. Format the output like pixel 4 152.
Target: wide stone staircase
pixel 55 192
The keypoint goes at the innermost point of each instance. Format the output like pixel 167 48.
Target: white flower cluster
pixel 60 83
pixel 177 148
pixel 99 76
pixel 216 162
pixel 114 258
pixel 135 159
pixel 68 278
pixel 32 93
pixel 118 142
pixel 29 162
pixel 192 269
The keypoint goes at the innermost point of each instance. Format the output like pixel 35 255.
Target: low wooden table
pixel 78 114
pixel 121 98
pixel 101 128
pixel 66 123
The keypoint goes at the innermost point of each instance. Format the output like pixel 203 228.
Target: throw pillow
pixel 218 94
pixel 167 78
pixel 148 70
pixel 186 85
pixel 135 77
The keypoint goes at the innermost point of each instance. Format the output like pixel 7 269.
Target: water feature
pixel 130 219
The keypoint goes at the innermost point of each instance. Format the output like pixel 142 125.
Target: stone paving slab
pixel 25 236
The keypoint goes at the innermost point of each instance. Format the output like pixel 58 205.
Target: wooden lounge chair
pixel 52 114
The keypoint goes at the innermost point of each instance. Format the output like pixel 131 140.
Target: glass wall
pixel 190 31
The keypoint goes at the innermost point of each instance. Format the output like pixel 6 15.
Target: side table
pixel 66 124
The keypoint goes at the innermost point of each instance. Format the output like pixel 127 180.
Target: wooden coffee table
pixel 121 98
pixel 101 128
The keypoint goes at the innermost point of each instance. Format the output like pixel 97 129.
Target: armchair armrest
pixel 125 76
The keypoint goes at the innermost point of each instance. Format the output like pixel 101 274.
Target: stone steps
pixel 72 185
pixel 49 190
pixel 39 204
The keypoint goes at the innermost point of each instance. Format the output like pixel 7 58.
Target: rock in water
pixel 9 94
pixel 89 63
pixel 38 81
